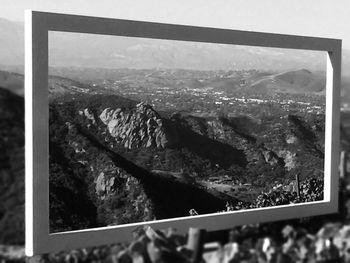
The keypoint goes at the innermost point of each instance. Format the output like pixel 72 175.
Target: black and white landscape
pixel 172 129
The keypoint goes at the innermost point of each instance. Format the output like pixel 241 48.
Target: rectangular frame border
pixel 38 239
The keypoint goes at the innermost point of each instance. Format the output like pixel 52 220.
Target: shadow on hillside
pixel 170 197
pixel 237 125
pixel 214 151
pixel 306 135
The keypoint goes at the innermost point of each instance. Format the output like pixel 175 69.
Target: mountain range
pixel 85 50
pixel 106 52
pixel 75 80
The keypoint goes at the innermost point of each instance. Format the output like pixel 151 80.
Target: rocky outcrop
pixel 290 159
pixel 270 157
pixel 139 127
pixel 291 139
pixel 104 186
pixel 89 116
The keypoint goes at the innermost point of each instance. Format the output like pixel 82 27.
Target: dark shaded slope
pixel 345 130
pixel 70 206
pixel 239 126
pixel 171 197
pixel 215 151
pixel 304 133
pixel 11 168
pixel 194 136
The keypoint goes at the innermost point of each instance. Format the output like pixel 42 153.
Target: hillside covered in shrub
pixel 122 161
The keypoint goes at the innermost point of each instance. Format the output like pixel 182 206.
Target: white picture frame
pixel 38 238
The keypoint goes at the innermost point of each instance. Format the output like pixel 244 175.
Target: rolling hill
pixel 12 81
pixel 298 81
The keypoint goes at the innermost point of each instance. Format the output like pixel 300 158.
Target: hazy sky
pixel 323 18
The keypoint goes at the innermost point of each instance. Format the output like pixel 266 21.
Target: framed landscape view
pixel 135 123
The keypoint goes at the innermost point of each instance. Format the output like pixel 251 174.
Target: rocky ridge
pixel 143 127
pixel 91 179
pixel 135 128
